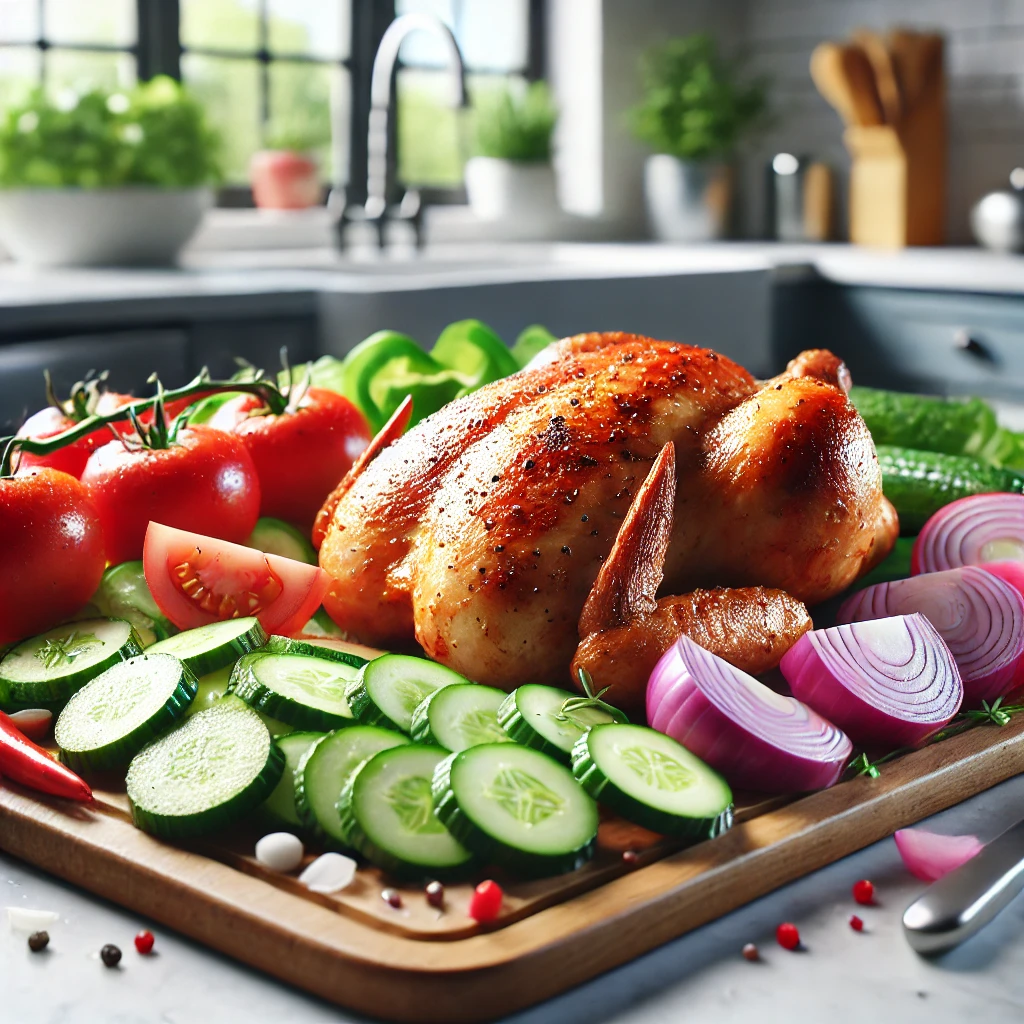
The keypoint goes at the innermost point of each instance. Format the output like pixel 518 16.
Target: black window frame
pixel 158 51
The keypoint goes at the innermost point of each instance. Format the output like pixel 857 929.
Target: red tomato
pixel 72 458
pixel 300 455
pixel 196 580
pixel 51 550
pixel 204 481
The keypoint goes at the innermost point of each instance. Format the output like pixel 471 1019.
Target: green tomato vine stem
pixel 268 392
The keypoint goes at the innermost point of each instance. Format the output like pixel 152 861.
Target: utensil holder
pixel 898 178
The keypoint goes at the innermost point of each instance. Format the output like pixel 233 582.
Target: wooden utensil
pixel 886 80
pixel 843 76
pixel 917 58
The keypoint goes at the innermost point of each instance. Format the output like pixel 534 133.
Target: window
pixel 274 70
pixel 500 42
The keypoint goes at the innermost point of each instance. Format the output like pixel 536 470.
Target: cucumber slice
pixel 210 690
pixel 215 645
pixel 209 772
pixel 115 715
pixel 652 780
pixel 216 685
pixel 46 671
pixel 307 693
pixel 286 645
pixel 124 594
pixel 387 814
pixel 459 716
pixel 280 538
pixel 280 805
pixel 324 772
pixel 391 687
pixel 530 716
pixel 517 807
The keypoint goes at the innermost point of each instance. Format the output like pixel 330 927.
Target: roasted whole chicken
pixel 481 533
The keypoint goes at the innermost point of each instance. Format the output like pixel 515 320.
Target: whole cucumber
pixel 953 426
pixel 919 483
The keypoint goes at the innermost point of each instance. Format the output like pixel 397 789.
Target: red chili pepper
pixel 25 762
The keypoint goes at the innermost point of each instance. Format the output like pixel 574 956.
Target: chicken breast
pixel 479 534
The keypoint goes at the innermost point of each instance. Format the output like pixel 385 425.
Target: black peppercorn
pixel 110 955
pixel 38 941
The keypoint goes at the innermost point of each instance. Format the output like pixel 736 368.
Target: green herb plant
pixel 306 131
pixel 695 104
pixel 516 126
pixel 154 134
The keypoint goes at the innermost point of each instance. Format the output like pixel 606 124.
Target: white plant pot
pixel 503 190
pixel 687 201
pixel 99 227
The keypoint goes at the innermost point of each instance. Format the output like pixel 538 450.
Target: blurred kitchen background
pixel 689 168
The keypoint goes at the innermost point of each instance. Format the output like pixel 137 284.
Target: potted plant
pixel 104 177
pixel 694 111
pixel 285 174
pixel 512 175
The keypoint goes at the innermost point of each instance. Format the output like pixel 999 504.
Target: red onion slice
pixel 757 739
pixel 971 531
pixel 889 682
pixel 929 856
pixel 979 615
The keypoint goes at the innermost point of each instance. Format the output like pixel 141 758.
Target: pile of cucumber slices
pixel 401 760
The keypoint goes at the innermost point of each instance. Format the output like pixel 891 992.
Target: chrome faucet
pixel 379 163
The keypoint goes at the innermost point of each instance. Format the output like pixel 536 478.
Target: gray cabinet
pixel 938 342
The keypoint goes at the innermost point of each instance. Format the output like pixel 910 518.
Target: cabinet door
pixel 939 342
pixel 129 356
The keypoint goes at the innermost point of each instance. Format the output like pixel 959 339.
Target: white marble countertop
pixel 842 977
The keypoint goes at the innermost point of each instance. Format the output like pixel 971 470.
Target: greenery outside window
pixel 274 71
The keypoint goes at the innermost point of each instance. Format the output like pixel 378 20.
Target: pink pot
pixel 284 180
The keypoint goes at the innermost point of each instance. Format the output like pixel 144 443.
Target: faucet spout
pixel 381 96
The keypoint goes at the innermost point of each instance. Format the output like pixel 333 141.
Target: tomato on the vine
pixel 300 454
pixel 55 419
pixel 51 550
pixel 195 479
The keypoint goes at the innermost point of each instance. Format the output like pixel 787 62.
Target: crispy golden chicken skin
pixel 480 533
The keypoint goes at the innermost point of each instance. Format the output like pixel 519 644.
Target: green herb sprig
pixel 997 713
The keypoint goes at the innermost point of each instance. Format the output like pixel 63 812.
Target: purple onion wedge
pixel 758 739
pixel 888 683
pixel 978 614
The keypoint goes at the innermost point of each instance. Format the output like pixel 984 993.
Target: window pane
pixel 98 21
pixel 230 88
pixel 430 143
pixel 492 34
pixel 302 97
pixel 19 21
pixel 20 69
pixel 221 24
pixel 71 69
pixel 434 141
pixel 319 28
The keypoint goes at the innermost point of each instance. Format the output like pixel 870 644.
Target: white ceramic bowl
pixel 99 227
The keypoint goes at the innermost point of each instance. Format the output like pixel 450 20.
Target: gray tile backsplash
pixel 984 66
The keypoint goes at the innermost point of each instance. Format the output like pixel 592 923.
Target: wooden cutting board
pixel 419 965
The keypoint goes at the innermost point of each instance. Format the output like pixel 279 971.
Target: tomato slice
pixel 196 579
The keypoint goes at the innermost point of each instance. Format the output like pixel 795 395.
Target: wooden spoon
pixel 843 76
pixel 884 68
pixel 918 61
